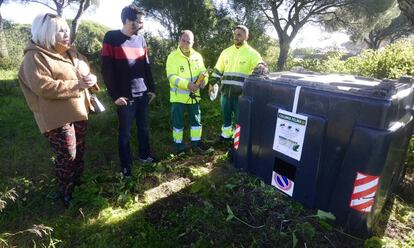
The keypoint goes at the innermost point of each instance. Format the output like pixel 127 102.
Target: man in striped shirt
pixel 128 77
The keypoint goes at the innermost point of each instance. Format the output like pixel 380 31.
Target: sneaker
pixel 126 174
pixel 67 200
pixel 148 160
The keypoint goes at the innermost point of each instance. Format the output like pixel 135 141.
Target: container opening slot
pixel 283 168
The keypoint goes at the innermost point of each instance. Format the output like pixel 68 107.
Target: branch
pixel 291 10
pixel 42 3
pixel 276 23
pixel 271 20
pixel 278 5
pixel 83 5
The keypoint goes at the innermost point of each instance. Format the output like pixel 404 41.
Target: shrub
pixel 392 61
pixel 16 37
pixel 89 39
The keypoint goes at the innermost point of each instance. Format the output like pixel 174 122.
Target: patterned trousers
pixel 68 143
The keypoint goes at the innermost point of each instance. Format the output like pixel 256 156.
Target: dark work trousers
pixel 229 112
pixel 68 143
pixel 136 109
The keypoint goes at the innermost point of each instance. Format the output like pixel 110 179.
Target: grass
pixel 183 201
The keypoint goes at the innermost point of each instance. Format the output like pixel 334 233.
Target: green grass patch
pixel 184 201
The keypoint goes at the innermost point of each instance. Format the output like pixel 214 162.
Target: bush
pixel 392 61
pixel 89 39
pixel 16 37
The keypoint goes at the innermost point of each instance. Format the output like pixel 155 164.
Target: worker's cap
pixel 244 28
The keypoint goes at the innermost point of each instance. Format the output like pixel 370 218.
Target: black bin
pixel 332 142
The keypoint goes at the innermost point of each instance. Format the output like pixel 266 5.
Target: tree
pixel 289 16
pixel 175 16
pixel 207 22
pixel 83 6
pixel 3 48
pixel 407 8
pixel 58 7
pixel 371 21
pixel 398 28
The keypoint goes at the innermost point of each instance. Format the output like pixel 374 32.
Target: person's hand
pixel 122 101
pixel 151 96
pixel 202 84
pixel 192 87
pixel 87 81
pixel 213 91
pixel 210 89
pixel 261 69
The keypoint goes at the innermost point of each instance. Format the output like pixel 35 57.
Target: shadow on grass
pixel 396 222
pixel 204 203
pixel 183 201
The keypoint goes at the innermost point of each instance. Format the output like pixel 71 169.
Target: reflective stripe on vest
pixel 238 83
pixel 175 90
pixel 233 78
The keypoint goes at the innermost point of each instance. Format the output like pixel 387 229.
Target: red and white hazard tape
pixel 365 188
pixel 237 137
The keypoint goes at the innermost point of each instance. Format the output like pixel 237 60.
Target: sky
pixel 109 11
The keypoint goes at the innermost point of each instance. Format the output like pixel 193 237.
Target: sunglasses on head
pixel 51 16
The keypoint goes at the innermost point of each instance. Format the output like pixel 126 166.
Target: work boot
pixel 201 148
pixel 180 148
pixel 221 140
pixel 230 155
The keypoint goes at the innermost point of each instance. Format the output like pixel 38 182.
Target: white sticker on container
pixel 290 134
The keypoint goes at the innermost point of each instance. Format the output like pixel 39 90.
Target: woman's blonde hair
pixel 45 27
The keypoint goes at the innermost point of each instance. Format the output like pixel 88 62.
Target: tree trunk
pixel 73 30
pixel 283 55
pixel 407 8
pixel 373 41
pixel 3 48
pixel 83 6
pixel 372 44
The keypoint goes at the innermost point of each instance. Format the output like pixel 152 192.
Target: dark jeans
pixel 136 109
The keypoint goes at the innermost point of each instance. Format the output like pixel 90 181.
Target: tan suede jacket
pixel 49 82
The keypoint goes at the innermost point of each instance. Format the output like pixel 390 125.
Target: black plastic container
pixel 332 142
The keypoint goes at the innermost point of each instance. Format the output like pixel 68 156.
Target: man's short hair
pixel 130 12
pixel 45 27
pixel 187 32
pixel 244 28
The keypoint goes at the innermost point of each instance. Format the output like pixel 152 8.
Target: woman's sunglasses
pixel 51 16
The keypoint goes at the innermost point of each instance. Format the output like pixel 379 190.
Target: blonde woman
pixel 54 78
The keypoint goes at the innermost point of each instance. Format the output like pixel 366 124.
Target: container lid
pixel 349 84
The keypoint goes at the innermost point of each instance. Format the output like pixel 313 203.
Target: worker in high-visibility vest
pixel 234 65
pixel 187 75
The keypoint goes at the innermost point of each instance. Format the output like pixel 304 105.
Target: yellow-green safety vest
pixel 182 70
pixel 233 66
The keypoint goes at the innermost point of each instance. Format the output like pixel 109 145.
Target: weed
pixel 187 200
